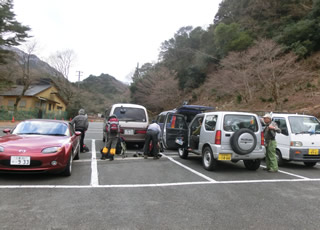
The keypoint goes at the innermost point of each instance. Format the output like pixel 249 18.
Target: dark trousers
pixel 81 139
pixel 151 136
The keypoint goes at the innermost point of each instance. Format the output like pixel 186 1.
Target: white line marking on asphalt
pixel 157 185
pixel 190 169
pixel 290 174
pixel 94 167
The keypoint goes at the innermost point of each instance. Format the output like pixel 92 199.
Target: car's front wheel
pixel 281 161
pixel 183 153
pixel 68 170
pixel 252 164
pixel 77 156
pixel 208 161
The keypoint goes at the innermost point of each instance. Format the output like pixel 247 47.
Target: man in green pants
pixel 270 143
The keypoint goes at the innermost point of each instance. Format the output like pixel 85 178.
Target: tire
pixel 183 153
pixel 252 165
pixel 281 161
pixel 243 141
pixel 68 170
pixel 77 156
pixel 310 164
pixel 208 161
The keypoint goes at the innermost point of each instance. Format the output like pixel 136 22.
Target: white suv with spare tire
pixel 224 136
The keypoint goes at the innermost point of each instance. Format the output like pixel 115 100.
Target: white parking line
pixel 290 174
pixel 156 185
pixel 94 168
pixel 190 169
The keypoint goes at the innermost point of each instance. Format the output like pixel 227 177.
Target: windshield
pixel 41 128
pixel 234 122
pixel 130 114
pixel 300 124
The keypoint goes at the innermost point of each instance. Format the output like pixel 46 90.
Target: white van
pixel 299 139
pixel 133 120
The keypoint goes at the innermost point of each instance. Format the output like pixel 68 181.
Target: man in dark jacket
pixel 81 124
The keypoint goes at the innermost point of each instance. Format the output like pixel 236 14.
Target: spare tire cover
pixel 243 141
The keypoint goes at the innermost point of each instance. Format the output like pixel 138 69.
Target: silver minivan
pixel 133 121
pixel 224 136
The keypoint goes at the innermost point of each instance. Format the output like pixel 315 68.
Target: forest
pixel 256 56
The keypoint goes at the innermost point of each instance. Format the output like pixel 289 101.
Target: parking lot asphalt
pixel 169 193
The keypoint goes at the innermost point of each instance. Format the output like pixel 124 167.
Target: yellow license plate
pixel 224 157
pixel 313 152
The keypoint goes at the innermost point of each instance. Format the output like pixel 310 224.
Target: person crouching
pixel 152 135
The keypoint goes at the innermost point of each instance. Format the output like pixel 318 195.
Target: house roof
pixel 32 91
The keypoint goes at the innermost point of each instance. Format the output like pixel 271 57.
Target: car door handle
pixel 228 134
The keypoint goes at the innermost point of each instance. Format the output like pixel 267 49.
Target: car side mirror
pixel 7 131
pixel 78 133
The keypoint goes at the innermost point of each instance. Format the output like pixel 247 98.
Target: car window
pixel 195 124
pixel 176 122
pixel 282 124
pixel 161 119
pixel 41 128
pixel 130 114
pixel 210 122
pixel 234 122
pixel 300 124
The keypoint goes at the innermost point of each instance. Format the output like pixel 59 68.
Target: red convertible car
pixel 39 146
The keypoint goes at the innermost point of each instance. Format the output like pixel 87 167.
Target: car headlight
pixel 51 150
pixel 1 149
pixel 296 143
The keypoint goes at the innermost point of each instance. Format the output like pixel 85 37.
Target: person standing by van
pixel 81 124
pixel 270 143
pixel 113 134
pixel 153 135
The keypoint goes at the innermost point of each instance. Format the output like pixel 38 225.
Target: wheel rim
pixel 207 159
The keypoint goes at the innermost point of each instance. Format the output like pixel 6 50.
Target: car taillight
pixel 144 131
pixel 173 122
pixel 262 138
pixel 217 140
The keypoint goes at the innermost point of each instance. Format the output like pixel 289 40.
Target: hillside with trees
pixel 256 56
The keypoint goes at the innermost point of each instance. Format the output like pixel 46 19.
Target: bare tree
pixel 274 67
pixel 27 76
pixel 62 61
pixel 158 90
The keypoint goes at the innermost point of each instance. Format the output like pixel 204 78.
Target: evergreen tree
pixel 11 31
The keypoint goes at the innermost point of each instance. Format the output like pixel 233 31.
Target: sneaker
pixel 111 159
pixel 265 169
pixel 272 171
pixel 103 158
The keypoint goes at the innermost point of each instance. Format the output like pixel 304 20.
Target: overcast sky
pixel 107 36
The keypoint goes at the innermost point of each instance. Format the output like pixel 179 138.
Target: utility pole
pixel 79 75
